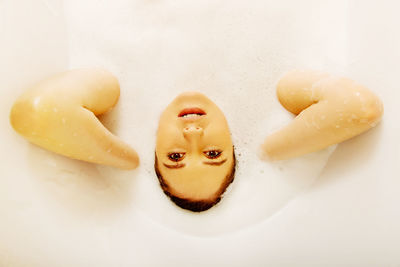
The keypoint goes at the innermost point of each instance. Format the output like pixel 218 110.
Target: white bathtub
pixel 349 217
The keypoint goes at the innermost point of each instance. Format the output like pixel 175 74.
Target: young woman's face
pixel 194 148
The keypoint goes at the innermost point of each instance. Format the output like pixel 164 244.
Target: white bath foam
pixel 231 51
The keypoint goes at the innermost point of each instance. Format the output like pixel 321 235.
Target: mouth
pixel 191 113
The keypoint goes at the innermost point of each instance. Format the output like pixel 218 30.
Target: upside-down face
pixel 194 151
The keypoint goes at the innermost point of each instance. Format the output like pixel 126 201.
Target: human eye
pixel 212 154
pixel 176 156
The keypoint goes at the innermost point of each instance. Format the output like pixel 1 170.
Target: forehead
pixel 196 181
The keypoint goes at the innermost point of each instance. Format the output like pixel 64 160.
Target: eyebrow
pixel 175 166
pixel 181 165
pixel 215 163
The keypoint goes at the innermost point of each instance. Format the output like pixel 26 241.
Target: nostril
pixel 193 130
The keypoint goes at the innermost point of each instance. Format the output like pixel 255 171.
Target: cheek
pixel 218 134
pixel 169 136
pixel 168 128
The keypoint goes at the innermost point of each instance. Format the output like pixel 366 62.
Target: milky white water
pixel 232 51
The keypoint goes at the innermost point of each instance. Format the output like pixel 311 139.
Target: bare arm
pixel 329 110
pixel 59 114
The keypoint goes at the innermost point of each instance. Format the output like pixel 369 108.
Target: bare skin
pixel 329 110
pixel 59 114
pixel 194 147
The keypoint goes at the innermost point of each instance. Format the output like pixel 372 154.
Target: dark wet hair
pixel 196 205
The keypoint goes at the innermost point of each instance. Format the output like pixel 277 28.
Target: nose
pixel 192 132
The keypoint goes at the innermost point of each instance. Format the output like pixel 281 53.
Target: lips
pixel 191 113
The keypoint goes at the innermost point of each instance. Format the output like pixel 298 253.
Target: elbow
pixel 27 117
pixel 371 109
pixel 22 118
